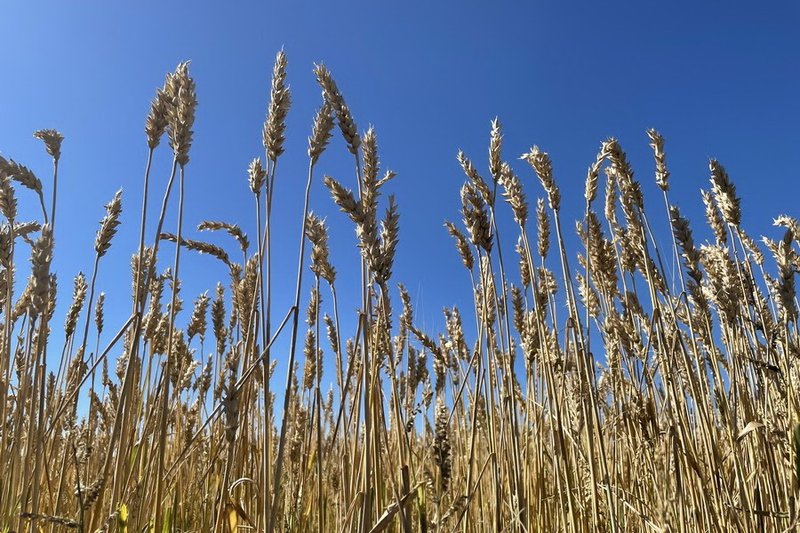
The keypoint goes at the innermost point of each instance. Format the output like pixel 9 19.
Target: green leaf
pixel 797 452
pixel 122 519
pixel 167 521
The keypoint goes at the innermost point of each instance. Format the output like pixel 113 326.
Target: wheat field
pixel 603 382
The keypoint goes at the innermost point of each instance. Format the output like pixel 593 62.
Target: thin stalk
pixel 55 195
pixel 318 402
pixel 292 349
pixel 167 366
pixel 6 359
pixel 267 430
pixel 123 411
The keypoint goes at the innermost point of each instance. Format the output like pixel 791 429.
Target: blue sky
pixel 719 79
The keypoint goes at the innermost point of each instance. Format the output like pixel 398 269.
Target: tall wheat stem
pixel 290 365
pixel 167 368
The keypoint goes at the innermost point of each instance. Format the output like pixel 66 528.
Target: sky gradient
pixel 719 80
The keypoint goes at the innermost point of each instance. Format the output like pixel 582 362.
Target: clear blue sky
pixel 721 79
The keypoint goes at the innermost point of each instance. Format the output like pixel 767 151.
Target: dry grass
pixel 587 394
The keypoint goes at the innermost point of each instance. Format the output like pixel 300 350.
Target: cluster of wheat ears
pixel 587 393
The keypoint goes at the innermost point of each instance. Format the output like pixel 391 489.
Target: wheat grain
pixel 109 225
pixel 52 142
pixel 280 101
